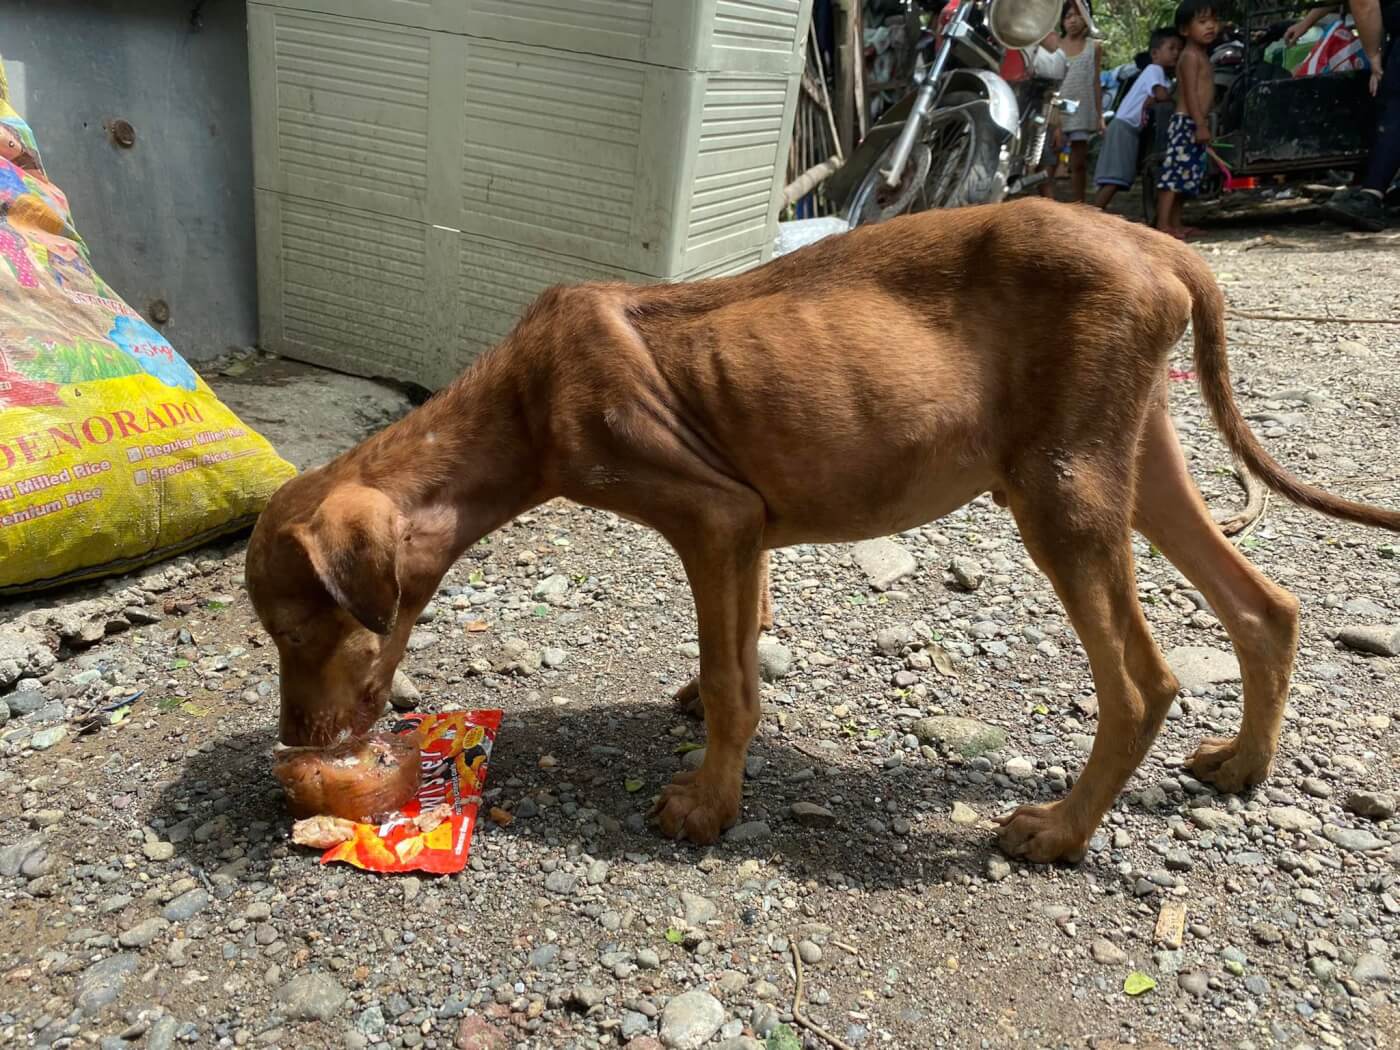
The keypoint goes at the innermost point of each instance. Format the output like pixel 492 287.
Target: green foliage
pixel 82 362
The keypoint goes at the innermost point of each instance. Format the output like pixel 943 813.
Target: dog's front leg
pixel 688 695
pixel 725 567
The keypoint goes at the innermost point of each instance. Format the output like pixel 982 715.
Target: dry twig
pixel 1247 315
pixel 797 1014
pixel 1256 496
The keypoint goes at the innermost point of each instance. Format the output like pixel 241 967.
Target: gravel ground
pixel 149 894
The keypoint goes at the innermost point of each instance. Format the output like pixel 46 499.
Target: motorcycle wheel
pixel 874 201
pixel 967 165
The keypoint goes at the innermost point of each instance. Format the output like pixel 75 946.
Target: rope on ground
pixel 1241 523
pixel 797 1014
pixel 1249 315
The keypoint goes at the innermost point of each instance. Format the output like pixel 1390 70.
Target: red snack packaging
pixel 433 831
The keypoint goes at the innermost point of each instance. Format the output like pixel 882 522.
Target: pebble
pixel 690 1020
pixel 1197 667
pixel 966 736
pixel 1291 818
pixel 1020 767
pixel 186 906
pixel 1371 968
pixel 964 814
pixel 967 573
pixel 143 933
pixel 102 982
pixel 403 694
pixel 1107 953
pixel 698 910
pixel 810 951
pixel 158 851
pixel 1195 983
pixel 884 562
pixel 811 815
pixel 312 997
pixel 997 869
pixel 1373 805
pixel 749 831
pixel 47 738
pixel 1378 641
pixel 774 660
pixel 1355 840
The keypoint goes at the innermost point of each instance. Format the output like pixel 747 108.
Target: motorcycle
pixel 966 136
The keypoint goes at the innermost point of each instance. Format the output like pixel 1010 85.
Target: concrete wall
pixel 172 217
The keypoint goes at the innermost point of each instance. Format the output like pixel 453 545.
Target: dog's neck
pixel 458 468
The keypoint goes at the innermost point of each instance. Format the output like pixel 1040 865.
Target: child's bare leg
pixel 1105 196
pixel 1079 170
pixel 1166 202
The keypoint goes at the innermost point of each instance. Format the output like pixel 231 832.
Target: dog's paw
pixel 1231 768
pixel 688 699
pixel 688 808
pixel 1040 834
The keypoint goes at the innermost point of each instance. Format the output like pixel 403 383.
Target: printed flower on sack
pixel 19 391
pixel 14 249
pixel 81 361
pixel 152 353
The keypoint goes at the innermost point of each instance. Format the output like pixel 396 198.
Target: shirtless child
pixel 1189 131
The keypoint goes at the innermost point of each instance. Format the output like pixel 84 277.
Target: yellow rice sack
pixel 113 452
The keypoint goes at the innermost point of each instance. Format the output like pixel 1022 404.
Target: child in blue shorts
pixel 1184 165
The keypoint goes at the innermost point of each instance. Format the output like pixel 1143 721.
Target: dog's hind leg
pixel 721 551
pixel 1074 524
pixel 1261 617
pixel 688 695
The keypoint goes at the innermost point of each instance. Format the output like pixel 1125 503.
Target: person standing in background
pixel 1081 85
pixel 1363 207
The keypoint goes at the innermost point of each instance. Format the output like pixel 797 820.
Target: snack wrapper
pixel 455 747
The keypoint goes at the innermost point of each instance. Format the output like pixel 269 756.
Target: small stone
pixel 964 814
pixel 811 815
pixel 883 562
pixel 1107 953
pixel 47 738
pixel 647 959
pixel 698 910
pixel 749 831
pixel 553 657
pixel 162 1034
pixel 1020 768
pixel 892 640
pixel 1316 788
pixel 997 869
pixel 312 997
pixel 1198 667
pixel 1355 840
pixel 186 906
pixel 1371 968
pixel 774 659
pixel 1373 805
pixel 690 1020
pixel 1291 818
pixel 1214 820
pixel 1378 641
pixel 143 933
pixel 102 982
pixel 474 1032
pixel 555 586
pixel 158 851
pixel 966 736
pixel 967 573
pixel 810 952
pixel 1195 983
pixel 403 694
pixel 560 882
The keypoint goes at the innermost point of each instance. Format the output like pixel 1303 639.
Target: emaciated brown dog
pixel 861 386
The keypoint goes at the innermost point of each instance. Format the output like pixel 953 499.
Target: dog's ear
pixel 353 541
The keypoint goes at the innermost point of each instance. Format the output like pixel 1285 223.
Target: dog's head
pixel 324 573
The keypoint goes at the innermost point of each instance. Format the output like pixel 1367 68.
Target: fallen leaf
pixel 632 786
pixel 1137 982
pixel 689 745
pixel 500 817
pixel 674 935
pixel 478 626
pixel 1171 924
pixel 194 709
pixel 942 662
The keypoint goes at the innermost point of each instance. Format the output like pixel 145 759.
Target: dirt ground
pixel 149 894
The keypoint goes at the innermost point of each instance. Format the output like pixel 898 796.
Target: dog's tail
pixel 1213 368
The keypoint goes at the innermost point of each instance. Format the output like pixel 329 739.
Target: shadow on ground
pixel 583 799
